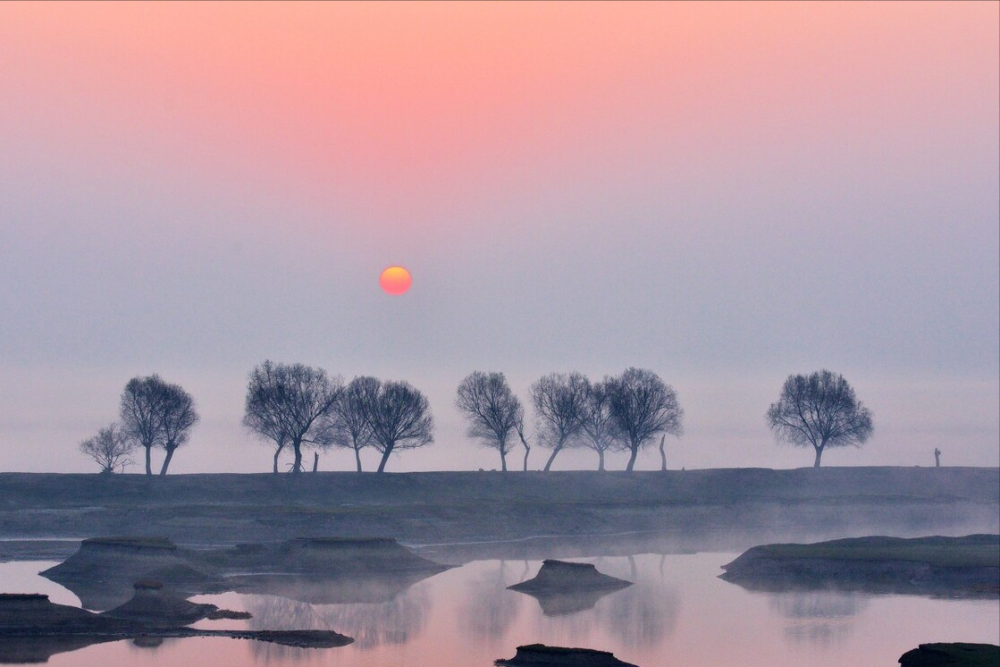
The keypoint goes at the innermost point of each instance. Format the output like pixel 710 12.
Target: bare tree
pixel 559 400
pixel 599 431
pixel 110 449
pixel 179 416
pixel 492 409
pixel 284 404
pixel 820 410
pixel 643 406
pixel 348 423
pixel 400 418
pixel 156 414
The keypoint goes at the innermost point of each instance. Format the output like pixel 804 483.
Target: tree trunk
pixel 357 458
pixel 548 464
pixel 277 453
pixel 315 461
pixel 149 467
pixel 631 459
pixel 600 455
pixel 527 450
pixel 166 461
pixel 819 453
pixel 503 460
pixel 385 458
pixel 297 448
pixel 663 454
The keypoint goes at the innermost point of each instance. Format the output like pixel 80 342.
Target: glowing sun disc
pixel 395 280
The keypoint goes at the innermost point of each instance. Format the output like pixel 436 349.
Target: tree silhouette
pixel 400 418
pixel 347 423
pixel 599 430
pixel 284 404
pixel 156 414
pixel 110 449
pixel 558 399
pixel 820 410
pixel 643 406
pixel 492 410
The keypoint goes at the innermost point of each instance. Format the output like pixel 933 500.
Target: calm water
pixel 678 613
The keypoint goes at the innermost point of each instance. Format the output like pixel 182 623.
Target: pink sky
pixel 723 192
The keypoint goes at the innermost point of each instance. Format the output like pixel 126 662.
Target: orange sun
pixel 395 280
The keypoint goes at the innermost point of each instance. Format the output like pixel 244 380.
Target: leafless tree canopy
pixel 156 414
pixel 110 449
pixel 284 404
pixel 492 410
pixel 820 410
pixel 599 431
pixel 643 406
pixel 400 418
pixel 179 416
pixel 559 406
pixel 347 425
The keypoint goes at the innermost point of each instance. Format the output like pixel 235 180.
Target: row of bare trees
pixel 294 406
pixel 620 413
pixel 297 406
pixel 153 414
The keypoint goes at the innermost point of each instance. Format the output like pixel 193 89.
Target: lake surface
pixel 677 613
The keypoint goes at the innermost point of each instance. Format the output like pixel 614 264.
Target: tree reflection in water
pixel 641 616
pixel 488 609
pixel 821 618
pixel 370 624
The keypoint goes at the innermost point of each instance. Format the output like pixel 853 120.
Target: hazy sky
pixel 722 193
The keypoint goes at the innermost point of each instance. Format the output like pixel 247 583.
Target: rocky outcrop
pixel 967 567
pixel 539 655
pixel 563 588
pixel 101 573
pixel 562 576
pixel 153 607
pixel 317 570
pixel 952 655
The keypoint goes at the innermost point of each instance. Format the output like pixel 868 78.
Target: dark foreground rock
pixel 539 655
pixel 153 607
pixel 563 588
pixel 965 567
pixel 32 628
pixel 952 655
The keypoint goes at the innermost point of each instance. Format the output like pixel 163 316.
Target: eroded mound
pixel 539 655
pixel 151 606
pixel 322 570
pixel 556 576
pixel 946 566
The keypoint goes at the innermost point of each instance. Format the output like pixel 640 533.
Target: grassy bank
pixel 700 509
